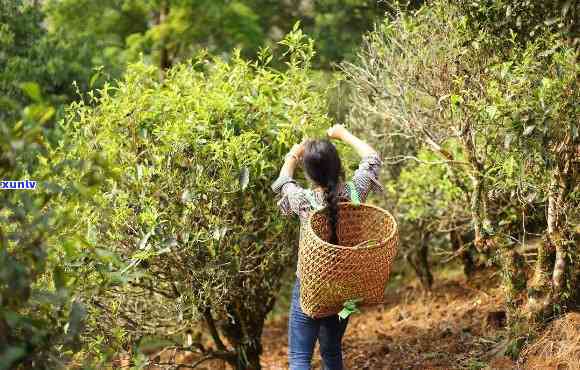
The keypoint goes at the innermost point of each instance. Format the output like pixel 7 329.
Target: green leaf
pixel 70 248
pixel 566 7
pixel 346 312
pixel 456 99
pixel 296 26
pixel 508 141
pixel 350 307
pixel 59 278
pixel 48 113
pixel 94 79
pixel 106 256
pixel 32 90
pixel 492 111
pixel 219 232
pixel 185 197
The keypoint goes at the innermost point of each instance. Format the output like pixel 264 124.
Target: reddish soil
pixel 456 325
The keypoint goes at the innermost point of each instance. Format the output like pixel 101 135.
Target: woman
pixel 323 169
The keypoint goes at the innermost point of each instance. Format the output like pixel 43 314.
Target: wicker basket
pixel 358 268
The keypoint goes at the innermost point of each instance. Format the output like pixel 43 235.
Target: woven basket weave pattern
pixel 332 274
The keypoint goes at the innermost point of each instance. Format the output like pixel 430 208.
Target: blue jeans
pixel 303 332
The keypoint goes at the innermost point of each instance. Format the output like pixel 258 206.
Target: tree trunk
pixel 539 290
pixel 458 244
pixel 164 59
pixel 478 197
pixel 245 338
pixel 513 279
pixel 419 259
pixel 423 260
pixel 559 235
pixel 487 235
pixel 249 357
pixel 243 330
pixel 555 281
pixel 242 355
pixel 4 333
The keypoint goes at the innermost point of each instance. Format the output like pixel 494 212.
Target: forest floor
pixel 456 325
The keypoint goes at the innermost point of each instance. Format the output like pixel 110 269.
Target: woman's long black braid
pixel 322 165
pixel 332 206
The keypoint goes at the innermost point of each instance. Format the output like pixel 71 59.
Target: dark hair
pixel 322 165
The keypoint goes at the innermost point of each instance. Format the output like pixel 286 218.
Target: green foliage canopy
pixel 188 209
pixel 507 93
pixel 40 316
pixel 170 31
pixel 29 53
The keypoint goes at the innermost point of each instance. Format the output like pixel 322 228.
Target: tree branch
pixel 401 158
pixel 213 330
pixel 105 308
pixel 151 289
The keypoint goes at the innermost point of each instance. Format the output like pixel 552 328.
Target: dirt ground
pixel 454 326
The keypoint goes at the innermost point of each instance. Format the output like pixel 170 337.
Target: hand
pixel 298 150
pixel 337 132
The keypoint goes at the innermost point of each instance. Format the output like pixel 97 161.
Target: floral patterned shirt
pixel 295 200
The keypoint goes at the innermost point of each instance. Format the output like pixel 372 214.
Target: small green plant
pixel 474 364
pixel 350 307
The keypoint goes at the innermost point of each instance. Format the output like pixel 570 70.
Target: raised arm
pixel 366 177
pixel 292 159
pixel 340 132
pixel 293 199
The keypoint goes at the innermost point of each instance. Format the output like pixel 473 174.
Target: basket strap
pixel 354 196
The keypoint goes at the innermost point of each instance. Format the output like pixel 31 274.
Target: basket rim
pixel 393 233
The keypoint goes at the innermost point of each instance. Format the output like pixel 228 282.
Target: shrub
pixel 40 317
pixel 188 218
pixel 522 20
pixel 509 101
